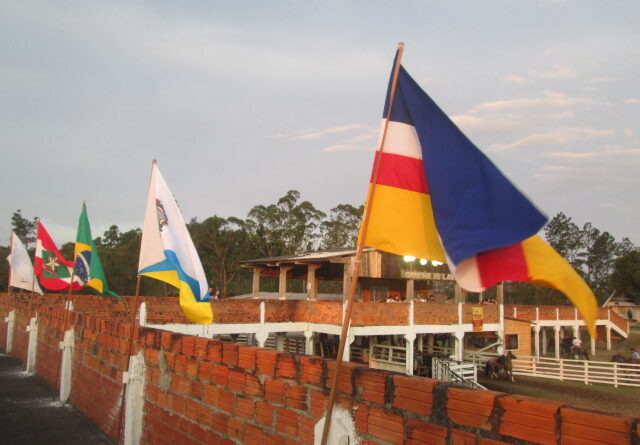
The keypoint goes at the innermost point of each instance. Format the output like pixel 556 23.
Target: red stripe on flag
pixel 503 264
pixel 401 172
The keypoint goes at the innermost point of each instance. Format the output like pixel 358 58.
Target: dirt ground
pixel 599 397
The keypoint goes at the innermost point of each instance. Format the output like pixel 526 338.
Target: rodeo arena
pixel 403 355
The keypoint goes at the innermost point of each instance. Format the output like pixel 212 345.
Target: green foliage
pixel 625 278
pixel 340 230
pixel 24 228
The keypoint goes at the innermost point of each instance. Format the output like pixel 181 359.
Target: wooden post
pixel 358 259
pixel 312 283
pixel 255 289
pixel 282 285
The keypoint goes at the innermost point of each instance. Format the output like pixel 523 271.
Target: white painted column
pixel 308 342
pixel 536 344
pixel 134 399
pixel 459 346
pixel 11 323
pixel 66 345
pixel 32 349
pixel 420 342
pixel 346 355
pixel 262 334
pixel 410 289
pixel 593 346
pixel 142 314
pixel 500 332
pixel 544 340
pixel 556 339
pixel 576 331
pixel 409 340
pixel 430 340
pixel 608 331
pixel 280 338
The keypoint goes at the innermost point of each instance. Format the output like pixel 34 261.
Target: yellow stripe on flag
pixel 401 222
pixel 547 268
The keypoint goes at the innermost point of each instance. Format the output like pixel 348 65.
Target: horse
pixel 577 351
pixel 619 358
pixel 496 365
pixel 565 346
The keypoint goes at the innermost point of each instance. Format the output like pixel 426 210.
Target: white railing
pixel 390 358
pixel 588 372
pixel 465 374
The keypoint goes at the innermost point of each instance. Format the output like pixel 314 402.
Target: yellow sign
pixel 477 318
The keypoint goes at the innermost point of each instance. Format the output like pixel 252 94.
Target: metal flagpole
pixel 10 266
pixel 356 267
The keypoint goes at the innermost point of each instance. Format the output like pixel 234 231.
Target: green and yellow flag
pixel 87 262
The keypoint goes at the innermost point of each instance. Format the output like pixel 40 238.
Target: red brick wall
pixel 435 313
pixel 205 391
pixel 379 314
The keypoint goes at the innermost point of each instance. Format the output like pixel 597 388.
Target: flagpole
pixel 10 266
pixel 358 259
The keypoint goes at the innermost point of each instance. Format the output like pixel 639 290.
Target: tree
pixel 625 278
pixel 566 238
pixel 24 228
pixel 341 229
pixel 286 227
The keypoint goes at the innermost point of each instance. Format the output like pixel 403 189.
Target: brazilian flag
pixel 87 262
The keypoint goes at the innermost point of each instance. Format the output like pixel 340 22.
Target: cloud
pixel 628 132
pixel 550 99
pixel 631 100
pixel 512 78
pixel 346 147
pixel 568 155
pixel 329 130
pixel 558 72
pixel 486 123
pixel 598 80
pixel 559 137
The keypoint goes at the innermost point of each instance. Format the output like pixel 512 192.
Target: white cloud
pixel 628 132
pixel 631 100
pixel 598 80
pixel 558 72
pixel 329 130
pixel 568 155
pixel 512 78
pixel 550 99
pixel 559 137
pixel 346 147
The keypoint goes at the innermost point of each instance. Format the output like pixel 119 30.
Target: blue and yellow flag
pixel 167 252
pixel 87 263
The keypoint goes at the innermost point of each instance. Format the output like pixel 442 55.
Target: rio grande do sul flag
pixel 52 270
pixel 20 267
pixel 167 252
pixel 438 197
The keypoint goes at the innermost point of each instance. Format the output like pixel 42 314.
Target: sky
pixel 240 102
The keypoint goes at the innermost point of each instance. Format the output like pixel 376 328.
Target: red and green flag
pixel 52 269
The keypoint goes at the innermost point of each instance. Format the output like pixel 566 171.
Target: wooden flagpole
pixel 358 259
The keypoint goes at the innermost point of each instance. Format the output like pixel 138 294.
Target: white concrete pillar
pixel 261 338
pixel 308 342
pixel 134 399
pixel 420 342
pixel 608 331
pixel 536 344
pixel 593 346
pixel 346 355
pixel 459 345
pixel 556 341
pixel 544 340
pixel 409 340
pixel 280 338
pixel 10 319
pixel 32 348
pixel 66 345
pixel 430 340
pixel 576 331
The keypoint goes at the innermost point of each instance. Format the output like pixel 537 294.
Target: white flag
pixel 21 268
pixel 167 252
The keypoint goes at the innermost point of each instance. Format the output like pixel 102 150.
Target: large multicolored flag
pixel 438 197
pixel 52 270
pixel 88 266
pixel 167 252
pixel 20 267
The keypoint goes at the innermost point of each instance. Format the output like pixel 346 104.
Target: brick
pixel 413 394
pixel 312 370
pixel 307 430
pixel 210 395
pixel 361 417
pixel 253 435
pixel 205 371
pixel 372 384
pixel 235 428
pixel 201 347
pixel 274 391
pixel 225 400
pixel 264 414
pixel 529 418
pixel 581 426
pixel 244 407
pixel 459 437
pixel 221 375
pixel 419 432
pixel 471 407
pixel 188 345
pixel 385 426
pixel 219 422
pixel 236 380
pixel 252 385
pixel 286 366
pixel 266 361
pixel 287 422
pixel 214 351
pixel 345 377
pixel 247 357
pixel 296 397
